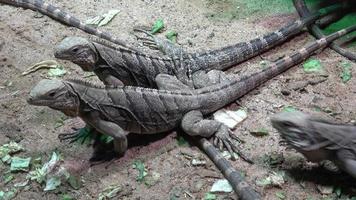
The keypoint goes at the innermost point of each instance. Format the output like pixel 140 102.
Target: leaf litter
pixel 103 19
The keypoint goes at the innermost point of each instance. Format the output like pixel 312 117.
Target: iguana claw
pixel 72 137
pixel 225 137
pixel 148 40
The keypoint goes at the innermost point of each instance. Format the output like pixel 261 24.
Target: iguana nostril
pixel 29 99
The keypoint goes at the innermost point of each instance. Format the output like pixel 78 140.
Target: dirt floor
pixel 28 37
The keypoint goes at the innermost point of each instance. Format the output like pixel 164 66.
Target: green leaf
pixel 230 118
pixel 312 65
pixel 6 159
pixel 40 173
pixel 221 185
pixel 337 191
pixel 157 26
pixel 264 182
pixel 109 192
pixel 74 182
pixel 273 179
pixel 152 179
pixel 280 195
pixel 259 132
pixel 67 197
pixel 103 19
pixel 209 196
pixel 273 158
pixel 84 136
pixel 94 20
pixel 289 109
pixel 10 148
pixel 142 172
pixel 8 195
pixel 21 184
pixel 172 36
pixel 52 183
pixel 37 175
pixel 8 178
pixel 346 73
pixel 20 164
pixel 107 17
pixel 181 141
pixel 56 72
pixel 106 138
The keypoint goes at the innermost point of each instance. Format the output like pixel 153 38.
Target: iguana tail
pixel 65 18
pixel 232 55
pixel 236 180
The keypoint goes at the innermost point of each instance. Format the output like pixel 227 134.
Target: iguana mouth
pixel 60 56
pixel 34 102
pixel 31 101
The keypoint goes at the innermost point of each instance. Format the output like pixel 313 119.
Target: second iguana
pixel 318 139
pixel 117 66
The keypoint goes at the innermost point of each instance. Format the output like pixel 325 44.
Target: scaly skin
pixel 115 66
pixel 318 139
pixel 65 18
pixel 126 109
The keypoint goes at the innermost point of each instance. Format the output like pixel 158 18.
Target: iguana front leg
pixel 108 128
pixel 194 124
pixel 77 135
pixel 105 75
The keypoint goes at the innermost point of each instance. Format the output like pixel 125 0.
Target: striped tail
pixel 65 18
pixel 287 62
pixel 236 180
pixel 222 59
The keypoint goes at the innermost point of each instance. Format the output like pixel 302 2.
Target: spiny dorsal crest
pixel 121 48
pixel 86 83
pixel 108 44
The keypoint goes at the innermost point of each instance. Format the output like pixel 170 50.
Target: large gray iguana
pixel 116 66
pixel 318 139
pixel 127 109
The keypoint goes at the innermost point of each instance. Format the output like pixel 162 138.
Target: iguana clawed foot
pixel 164 45
pixel 224 137
pixel 148 40
pixel 78 135
pixel 194 124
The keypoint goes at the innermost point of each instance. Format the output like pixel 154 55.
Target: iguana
pixel 127 109
pixel 115 66
pixel 318 139
pixel 65 18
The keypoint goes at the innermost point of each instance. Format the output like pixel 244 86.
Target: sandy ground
pixel 28 37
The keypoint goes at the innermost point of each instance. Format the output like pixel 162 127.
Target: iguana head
pixel 77 50
pixel 56 95
pixel 293 128
pixel 296 129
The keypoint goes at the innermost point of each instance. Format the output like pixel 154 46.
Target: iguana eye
pixel 52 94
pixel 287 124
pixel 75 49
